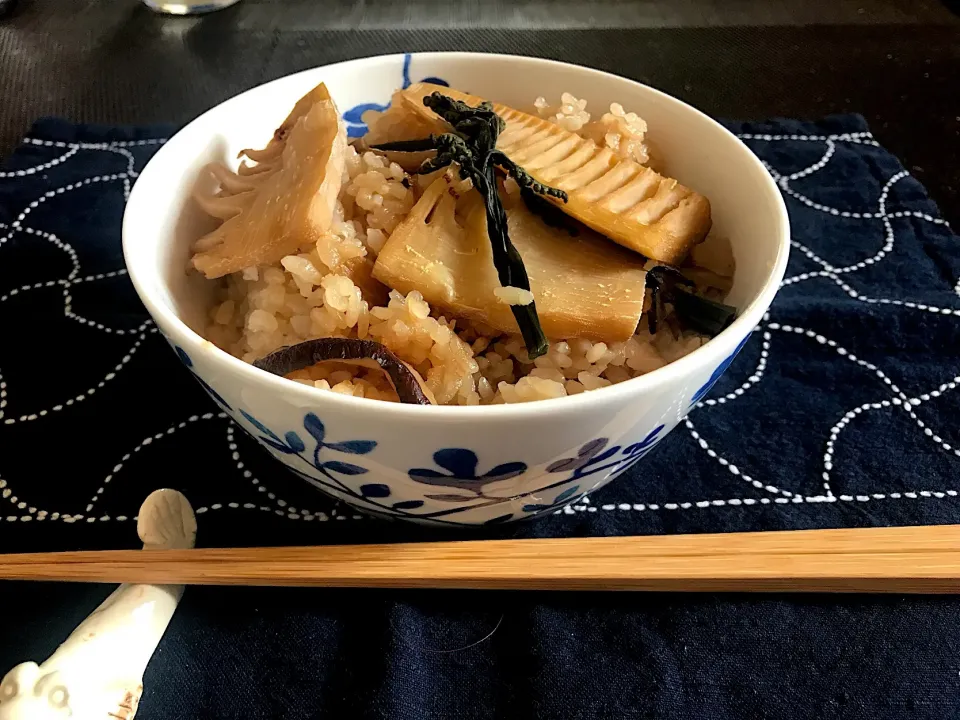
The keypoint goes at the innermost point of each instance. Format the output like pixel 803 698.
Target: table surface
pixel 894 61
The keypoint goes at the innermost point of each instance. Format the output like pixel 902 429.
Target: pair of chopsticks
pixel 891 560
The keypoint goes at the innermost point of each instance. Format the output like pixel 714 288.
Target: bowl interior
pixel 161 221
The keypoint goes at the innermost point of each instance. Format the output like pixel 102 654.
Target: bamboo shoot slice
pixel 662 224
pixel 583 286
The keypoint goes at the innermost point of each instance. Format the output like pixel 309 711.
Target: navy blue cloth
pixel 841 411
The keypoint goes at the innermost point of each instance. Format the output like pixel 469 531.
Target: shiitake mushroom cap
pixel 368 353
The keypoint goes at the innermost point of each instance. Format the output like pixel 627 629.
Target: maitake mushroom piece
pixel 283 202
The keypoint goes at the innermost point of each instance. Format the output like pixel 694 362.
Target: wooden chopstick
pixel 894 560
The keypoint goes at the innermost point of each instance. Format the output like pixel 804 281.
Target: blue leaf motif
pixel 343 468
pixel 606 455
pixel 257 424
pixel 566 494
pixel 648 442
pixel 355 131
pixel 374 490
pixel 651 436
pixel 591 448
pixel 184 358
pixel 584 456
pixel 313 425
pixel 354 447
pixel 408 505
pixel 451 498
pixel 426 475
pixel 353 117
pixel 278 446
pixel 592 458
pixel 460 462
pixel 506 471
pixel 294 441
pixel 563 465
pixel 211 392
pixel 355 114
pixel 461 466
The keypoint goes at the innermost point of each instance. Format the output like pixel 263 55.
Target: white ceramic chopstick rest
pixel 98 671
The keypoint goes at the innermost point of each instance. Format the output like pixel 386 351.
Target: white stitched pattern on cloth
pixel 24 172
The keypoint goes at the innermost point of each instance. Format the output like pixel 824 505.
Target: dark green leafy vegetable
pixel 705 316
pixel 472 147
pixel 358 352
pixel 551 215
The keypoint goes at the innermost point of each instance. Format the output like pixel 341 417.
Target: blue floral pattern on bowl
pixel 595 457
pixel 461 467
pixel 327 474
pixel 353 117
pixel 457 472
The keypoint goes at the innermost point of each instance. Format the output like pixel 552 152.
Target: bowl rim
pixel 742 327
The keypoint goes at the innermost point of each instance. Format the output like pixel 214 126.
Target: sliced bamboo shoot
pixel 288 202
pixel 627 202
pixel 583 286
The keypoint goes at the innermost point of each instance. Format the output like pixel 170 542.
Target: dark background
pixel 401 654
pixel 895 61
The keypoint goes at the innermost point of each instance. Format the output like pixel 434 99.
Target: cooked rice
pixel 513 295
pixel 325 292
pixel 624 133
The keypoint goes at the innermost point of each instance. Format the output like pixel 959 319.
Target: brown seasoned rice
pixel 624 133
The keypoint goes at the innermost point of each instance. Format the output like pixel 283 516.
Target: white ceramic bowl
pixel 455 465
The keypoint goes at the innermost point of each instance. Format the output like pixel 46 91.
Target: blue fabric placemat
pixel 840 411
